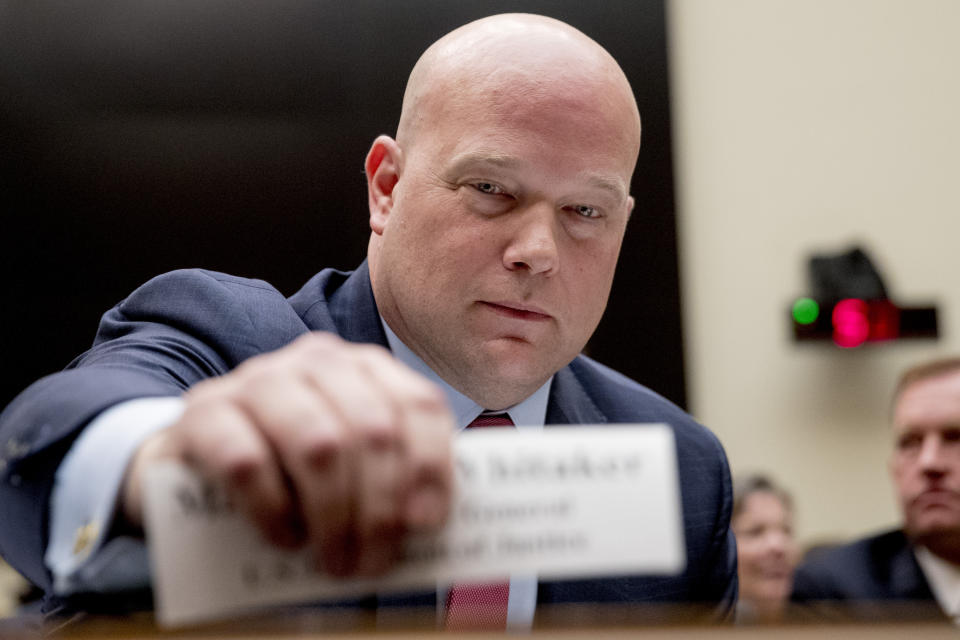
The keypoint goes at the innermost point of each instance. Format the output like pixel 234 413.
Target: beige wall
pixel 806 125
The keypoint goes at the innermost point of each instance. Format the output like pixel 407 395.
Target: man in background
pixel 920 563
pixel 497 215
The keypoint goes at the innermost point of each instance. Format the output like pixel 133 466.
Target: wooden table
pixel 578 622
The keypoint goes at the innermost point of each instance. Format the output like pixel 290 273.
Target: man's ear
pixel 382 168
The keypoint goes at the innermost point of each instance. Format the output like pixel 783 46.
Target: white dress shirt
pixel 944 579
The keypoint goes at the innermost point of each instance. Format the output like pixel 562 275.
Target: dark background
pixel 139 136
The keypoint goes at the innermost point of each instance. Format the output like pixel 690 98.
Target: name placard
pixel 564 502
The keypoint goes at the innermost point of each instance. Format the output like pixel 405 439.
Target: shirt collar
pixel 531 412
pixel 944 579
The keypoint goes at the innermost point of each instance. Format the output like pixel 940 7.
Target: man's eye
pixel 950 435
pixel 585 211
pixel 909 442
pixel 488 188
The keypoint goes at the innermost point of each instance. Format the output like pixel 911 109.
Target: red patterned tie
pixel 472 606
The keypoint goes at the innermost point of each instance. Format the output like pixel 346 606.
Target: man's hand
pixel 323 442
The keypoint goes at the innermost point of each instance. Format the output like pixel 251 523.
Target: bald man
pixel 497 216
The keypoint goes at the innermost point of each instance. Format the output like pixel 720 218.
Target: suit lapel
pixel 906 577
pixel 342 303
pixel 354 310
pixel 569 401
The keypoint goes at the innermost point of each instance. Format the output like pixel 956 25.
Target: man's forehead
pixel 536 76
pixel 929 402
pixel 945 385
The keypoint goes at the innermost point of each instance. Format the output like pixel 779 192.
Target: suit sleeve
pixel 721 580
pixel 170 333
pixel 708 504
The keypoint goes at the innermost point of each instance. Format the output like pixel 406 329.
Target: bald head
pixel 498 213
pixel 504 58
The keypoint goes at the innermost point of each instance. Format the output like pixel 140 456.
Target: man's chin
pixel 503 386
pixel 511 369
pixel 520 361
pixel 935 530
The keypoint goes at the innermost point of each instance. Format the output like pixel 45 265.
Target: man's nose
pixel 931 458
pixel 533 245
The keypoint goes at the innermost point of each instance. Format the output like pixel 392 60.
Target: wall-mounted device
pixel 849 305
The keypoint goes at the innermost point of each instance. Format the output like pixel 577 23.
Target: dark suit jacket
pixel 869 578
pixel 186 326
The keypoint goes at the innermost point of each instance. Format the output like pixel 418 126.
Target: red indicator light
pixel 884 320
pixel 851 323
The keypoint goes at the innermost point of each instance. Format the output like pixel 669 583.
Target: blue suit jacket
pixel 185 326
pixel 873 578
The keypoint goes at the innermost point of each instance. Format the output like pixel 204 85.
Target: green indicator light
pixel 806 311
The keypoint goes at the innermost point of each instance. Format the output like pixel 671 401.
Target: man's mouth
pixel 517 310
pixel 936 497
